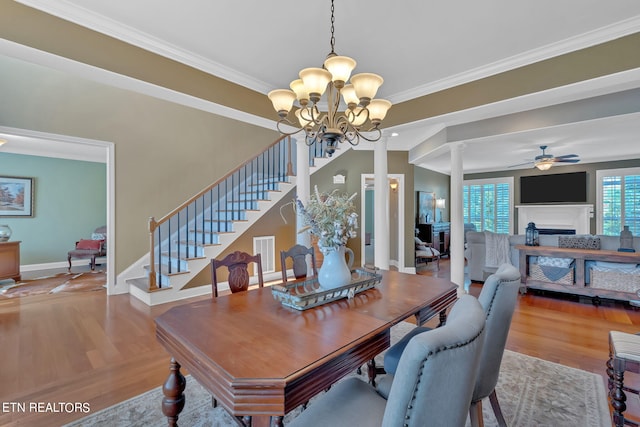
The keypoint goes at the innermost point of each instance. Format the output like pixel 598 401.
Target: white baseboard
pixel 60 264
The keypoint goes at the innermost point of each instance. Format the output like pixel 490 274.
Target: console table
pixel 580 256
pixel 10 261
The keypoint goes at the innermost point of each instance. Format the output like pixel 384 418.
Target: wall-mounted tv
pixel 554 188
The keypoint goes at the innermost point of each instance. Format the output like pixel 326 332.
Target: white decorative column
pixel 381 202
pixel 456 242
pixel 303 187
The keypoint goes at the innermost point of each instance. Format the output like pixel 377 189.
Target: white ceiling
pixel 419 47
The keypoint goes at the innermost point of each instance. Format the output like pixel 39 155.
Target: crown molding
pixel 592 38
pixel 33 143
pixel 70 12
pixel 93 21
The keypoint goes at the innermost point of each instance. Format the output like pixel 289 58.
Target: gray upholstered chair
pixel 432 386
pixel 498 298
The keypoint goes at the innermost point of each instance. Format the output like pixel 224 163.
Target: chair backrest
pixel 237 265
pixel 498 299
pixel 437 371
pixel 298 254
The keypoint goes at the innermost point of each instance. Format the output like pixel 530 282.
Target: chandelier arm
pixel 333 103
pixel 318 120
pixel 344 124
pixel 374 139
pixel 311 138
pixel 352 137
pixel 288 123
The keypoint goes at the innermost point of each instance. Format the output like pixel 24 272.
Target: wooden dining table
pixel 261 359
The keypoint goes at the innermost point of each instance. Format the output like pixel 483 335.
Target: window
pixel 618 201
pixel 488 204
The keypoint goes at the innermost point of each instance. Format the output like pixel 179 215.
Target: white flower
pixel 330 216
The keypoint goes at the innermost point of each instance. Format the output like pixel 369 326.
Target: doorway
pixel 28 142
pixel 395 187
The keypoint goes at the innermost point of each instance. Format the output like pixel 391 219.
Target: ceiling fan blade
pixel 558 160
pixel 566 156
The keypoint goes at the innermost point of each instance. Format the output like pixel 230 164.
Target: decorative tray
pixel 306 294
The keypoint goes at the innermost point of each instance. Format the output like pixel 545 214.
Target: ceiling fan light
pixel 316 81
pixel 340 68
pixel 366 86
pixel 544 166
pixel 282 100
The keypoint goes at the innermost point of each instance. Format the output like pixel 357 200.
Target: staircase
pixel 183 242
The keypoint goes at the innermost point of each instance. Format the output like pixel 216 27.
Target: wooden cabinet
pixel 580 256
pixel 436 233
pixel 10 261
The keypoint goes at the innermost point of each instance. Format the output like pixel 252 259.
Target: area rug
pixel 61 282
pixel 532 393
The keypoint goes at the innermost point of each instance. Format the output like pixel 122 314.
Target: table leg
pixel 173 390
pixel 371 370
pixel 260 421
pixel 443 318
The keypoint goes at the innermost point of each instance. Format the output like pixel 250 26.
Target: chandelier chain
pixel 333 37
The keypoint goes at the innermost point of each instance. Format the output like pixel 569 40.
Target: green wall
pixel 432 182
pixel 355 163
pixel 70 202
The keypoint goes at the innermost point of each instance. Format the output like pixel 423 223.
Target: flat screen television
pixel 554 188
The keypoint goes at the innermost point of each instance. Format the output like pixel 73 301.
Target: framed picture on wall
pixel 426 207
pixel 16 197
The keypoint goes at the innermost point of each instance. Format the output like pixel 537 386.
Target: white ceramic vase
pixel 335 270
pixel 5 233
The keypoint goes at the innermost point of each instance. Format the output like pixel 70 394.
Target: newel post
pixel 152 261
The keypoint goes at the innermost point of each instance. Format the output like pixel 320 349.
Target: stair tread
pixel 164 270
pixel 192 243
pixel 181 257
pixel 142 283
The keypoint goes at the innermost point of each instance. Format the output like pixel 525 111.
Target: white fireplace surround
pixel 575 217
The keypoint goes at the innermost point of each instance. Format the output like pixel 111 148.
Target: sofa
pixel 478 270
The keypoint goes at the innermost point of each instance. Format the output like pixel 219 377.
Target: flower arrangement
pixel 330 216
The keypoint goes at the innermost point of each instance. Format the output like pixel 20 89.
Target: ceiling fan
pixel 544 161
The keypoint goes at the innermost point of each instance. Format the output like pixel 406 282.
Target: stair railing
pixel 184 231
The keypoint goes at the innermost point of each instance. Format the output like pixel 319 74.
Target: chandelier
pixel 360 118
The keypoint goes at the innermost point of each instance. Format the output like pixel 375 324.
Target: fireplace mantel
pixel 575 217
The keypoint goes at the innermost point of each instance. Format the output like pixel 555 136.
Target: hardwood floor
pixel 85 347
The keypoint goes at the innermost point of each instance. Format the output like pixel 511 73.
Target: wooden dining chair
pixel 237 264
pixel 298 255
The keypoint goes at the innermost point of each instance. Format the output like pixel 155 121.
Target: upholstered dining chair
pixel 432 385
pixel 498 299
pixel 237 264
pixel 298 255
